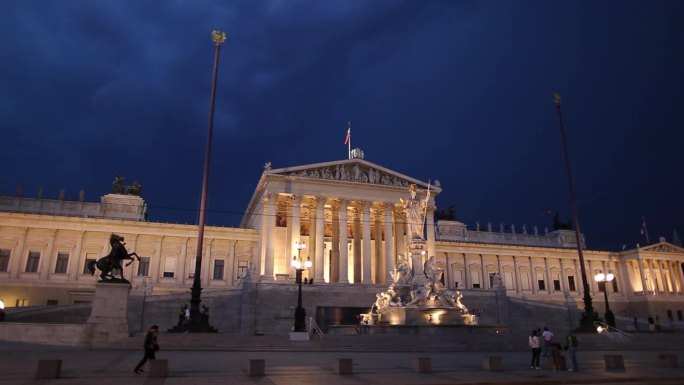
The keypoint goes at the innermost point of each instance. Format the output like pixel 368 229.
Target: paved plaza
pixel 98 367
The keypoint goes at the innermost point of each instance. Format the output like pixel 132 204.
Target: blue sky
pixel 458 91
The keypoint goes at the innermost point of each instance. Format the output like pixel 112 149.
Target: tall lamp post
pixel 300 313
pixel 588 318
pixel 603 280
pixel 197 322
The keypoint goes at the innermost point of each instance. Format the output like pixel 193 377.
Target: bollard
pixel 344 366
pixel 48 369
pixel 668 361
pixel 492 363
pixel 159 368
pixel 256 368
pixel 421 364
pixel 614 362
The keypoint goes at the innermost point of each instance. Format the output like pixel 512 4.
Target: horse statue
pixel 112 261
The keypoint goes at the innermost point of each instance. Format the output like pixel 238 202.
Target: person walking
pixel 547 338
pixel 570 352
pixel 186 321
pixel 151 346
pixel 535 343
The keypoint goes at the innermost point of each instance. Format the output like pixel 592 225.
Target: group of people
pixel 543 344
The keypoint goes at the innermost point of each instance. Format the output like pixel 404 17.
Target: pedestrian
pixel 186 320
pixel 556 357
pixel 570 352
pixel 151 346
pixel 651 324
pixel 547 338
pixel 535 344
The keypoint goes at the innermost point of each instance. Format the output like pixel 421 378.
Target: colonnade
pixel 377 231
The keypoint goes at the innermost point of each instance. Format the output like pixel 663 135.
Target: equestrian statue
pixel 111 262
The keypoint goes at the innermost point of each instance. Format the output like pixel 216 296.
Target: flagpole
pixel 643 224
pixel 349 141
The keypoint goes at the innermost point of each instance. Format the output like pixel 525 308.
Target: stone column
pixel 207 261
pixel 358 267
pixel 662 277
pixel 466 272
pixel 47 262
pixel 229 272
pixel 624 281
pixel 483 274
pixel 380 269
pixel 319 263
pixel 517 275
pixel 18 255
pixel 296 224
pixel 651 276
pixel 181 262
pixel 268 233
pixel 562 275
pixel 590 279
pixel 156 261
pixel 548 276
pixel 344 243
pixel 430 230
pixel 533 277
pixel 680 275
pixel 74 262
pixel 389 241
pixel 335 252
pixel 642 276
pixel 366 224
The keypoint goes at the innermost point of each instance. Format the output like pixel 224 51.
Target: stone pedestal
pixel 108 321
pixel 418 250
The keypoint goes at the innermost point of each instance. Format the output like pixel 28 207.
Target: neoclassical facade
pixel 351 217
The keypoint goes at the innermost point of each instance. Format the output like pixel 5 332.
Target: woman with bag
pixel 535 343
pixel 150 347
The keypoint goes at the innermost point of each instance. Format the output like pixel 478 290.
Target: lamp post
pixel 588 318
pixel 300 313
pixel 604 279
pixel 197 323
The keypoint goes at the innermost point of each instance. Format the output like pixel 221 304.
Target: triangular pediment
pixel 663 247
pixel 351 170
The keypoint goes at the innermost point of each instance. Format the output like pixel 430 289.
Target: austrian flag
pixel 346 139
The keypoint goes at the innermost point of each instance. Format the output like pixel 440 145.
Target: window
pixel 242 267
pixel 669 314
pixel 144 267
pixel 615 285
pixel 218 268
pixel 85 266
pixel 491 279
pixel 455 284
pixel 476 286
pixel 169 267
pixel 4 259
pixel 601 286
pixel 52 302
pixel 542 284
pixel 571 283
pixel 556 285
pixel 32 262
pixel 680 317
pixel 62 263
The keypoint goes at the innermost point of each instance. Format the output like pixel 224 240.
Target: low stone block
pixel 48 369
pixel 668 361
pixel 256 368
pixel 344 366
pixel 491 363
pixel 421 364
pixel 159 368
pixel 614 362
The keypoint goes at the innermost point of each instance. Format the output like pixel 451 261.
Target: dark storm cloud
pixel 458 91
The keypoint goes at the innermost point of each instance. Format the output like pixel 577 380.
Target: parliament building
pixel 349 217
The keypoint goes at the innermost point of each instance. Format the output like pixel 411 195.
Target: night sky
pixel 459 91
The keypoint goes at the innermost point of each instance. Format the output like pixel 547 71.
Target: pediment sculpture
pixel 352 173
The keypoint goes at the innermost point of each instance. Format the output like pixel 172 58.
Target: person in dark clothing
pixel 150 347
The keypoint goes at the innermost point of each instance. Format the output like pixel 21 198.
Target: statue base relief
pixel 108 321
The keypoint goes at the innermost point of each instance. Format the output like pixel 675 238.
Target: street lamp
pixel 604 279
pixel 300 313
